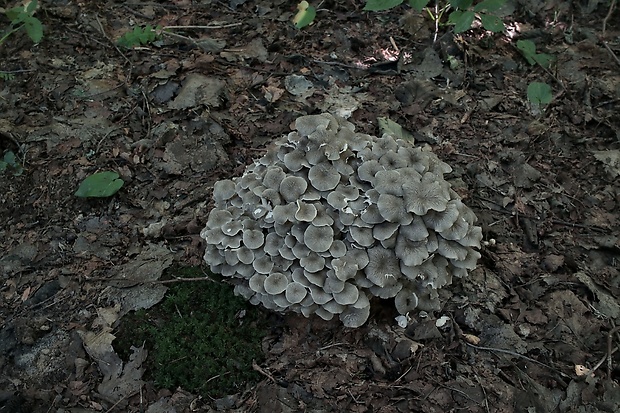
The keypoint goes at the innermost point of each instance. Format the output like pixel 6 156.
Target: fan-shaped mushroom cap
pixel 411 253
pixel 273 177
pixel 362 236
pixel 323 176
pixel 389 182
pixel 257 283
pixel 392 160
pixel 273 243
pixel 275 283
pixel 371 215
pixel 385 230
pixel 253 239
pixel 306 125
pixel 263 264
pixel 338 249
pixel 348 295
pixel 223 190
pixel 382 266
pixel 320 297
pixel 451 249
pixel 369 169
pixel 392 208
pixel 218 217
pixel 353 317
pixel 305 212
pixel 313 262
pixel 295 292
pixel 296 160
pixel 405 301
pixel 441 221
pixel 319 239
pixel 292 187
pixel 428 193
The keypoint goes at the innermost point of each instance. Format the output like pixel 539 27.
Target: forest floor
pixel 532 329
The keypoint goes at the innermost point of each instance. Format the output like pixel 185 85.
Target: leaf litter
pixel 529 330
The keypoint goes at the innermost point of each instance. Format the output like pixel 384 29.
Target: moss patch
pixel 200 337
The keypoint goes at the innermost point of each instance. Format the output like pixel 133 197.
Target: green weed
pixel 22 17
pixel 10 163
pixel 139 36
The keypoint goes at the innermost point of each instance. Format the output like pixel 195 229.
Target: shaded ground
pixel 175 116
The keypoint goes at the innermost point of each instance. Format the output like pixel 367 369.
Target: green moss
pixel 200 337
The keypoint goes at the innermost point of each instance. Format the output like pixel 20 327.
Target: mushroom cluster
pixel 330 218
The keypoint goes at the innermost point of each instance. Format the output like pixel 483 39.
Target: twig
pixel 112 42
pixel 263 372
pixel 512 353
pixel 609 12
pixel 609 351
pixel 611 52
pixel 211 26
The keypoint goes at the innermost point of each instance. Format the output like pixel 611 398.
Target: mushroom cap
pixel 292 187
pixel 367 170
pixel 353 317
pixel 323 176
pixel 218 217
pixel 392 208
pixel 275 283
pixel 223 190
pixel 382 266
pixel 405 301
pixel 306 125
pixel 273 177
pixel 428 193
pixel 389 182
pixel 313 262
pixel 295 292
pixel 411 253
pixel 318 239
pixel 257 283
pixel 253 239
pixel 348 295
pixel 305 212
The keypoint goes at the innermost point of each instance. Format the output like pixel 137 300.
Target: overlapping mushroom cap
pixel 330 218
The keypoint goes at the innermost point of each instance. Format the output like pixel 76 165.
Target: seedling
pixel 10 163
pixel 140 36
pixel 528 50
pixel 462 17
pixel 100 185
pixel 22 17
pixel 539 94
pixel 305 16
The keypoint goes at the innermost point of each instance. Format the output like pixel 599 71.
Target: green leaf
pixel 461 4
pixel 528 50
pixel 539 93
pixel 387 125
pixel 492 23
pixel 31 7
pixel 462 20
pixel 379 5
pixel 100 185
pixel 544 59
pixel 305 16
pixel 34 29
pixel 489 5
pixel 418 5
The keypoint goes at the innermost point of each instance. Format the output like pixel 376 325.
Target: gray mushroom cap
pixel 353 317
pixel 323 176
pixel 382 266
pixel 275 283
pixel 405 301
pixel 292 187
pixel 295 292
pixel 318 239
pixel 253 239
pixel 223 190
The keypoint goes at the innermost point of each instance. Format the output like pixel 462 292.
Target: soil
pixel 532 329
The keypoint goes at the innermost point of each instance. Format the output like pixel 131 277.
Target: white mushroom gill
pixel 330 218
